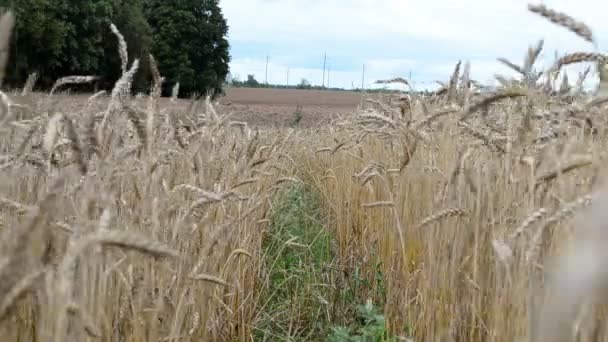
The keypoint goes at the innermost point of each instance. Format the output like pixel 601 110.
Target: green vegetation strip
pixel 304 294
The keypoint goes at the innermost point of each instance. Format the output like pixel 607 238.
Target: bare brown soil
pixel 276 107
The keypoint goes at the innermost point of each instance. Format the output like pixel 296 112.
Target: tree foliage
pixel 56 38
pixel 190 44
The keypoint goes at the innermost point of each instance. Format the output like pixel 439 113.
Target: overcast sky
pixel 396 37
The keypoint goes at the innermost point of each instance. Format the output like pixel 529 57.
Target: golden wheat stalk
pixel 29 84
pixel 564 20
pixel 536 216
pixel 531 57
pixel 69 80
pixel 485 138
pixel 445 213
pixel 76 145
pixel 209 278
pixel 114 238
pixel 87 322
pixel 136 119
pixel 569 166
pixel 18 291
pixel 157 79
pixel 52 133
pixel 563 213
pixel 466 86
pixel 379 204
pixel 175 92
pixel 453 81
pixel 394 80
pixel 512 65
pixel 122 48
pixel 578 57
pixel 91 144
pixel 427 121
pixel 486 101
pixel 122 88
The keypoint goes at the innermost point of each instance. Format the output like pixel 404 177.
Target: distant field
pixel 292 97
pixel 276 106
pixel 257 107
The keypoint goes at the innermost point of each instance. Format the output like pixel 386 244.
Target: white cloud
pixel 394 37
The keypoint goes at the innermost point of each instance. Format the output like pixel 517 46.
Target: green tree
pixel 190 45
pixel 128 16
pixel 57 38
pixel 87 23
pixel 38 40
pixel 251 81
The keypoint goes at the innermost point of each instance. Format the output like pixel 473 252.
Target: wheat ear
pixel 449 212
pixel 122 48
pixel 564 20
pixel 72 80
pixel 578 57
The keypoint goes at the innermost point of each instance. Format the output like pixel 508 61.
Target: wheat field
pixel 461 216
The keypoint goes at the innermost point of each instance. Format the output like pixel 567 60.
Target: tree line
pixel 57 38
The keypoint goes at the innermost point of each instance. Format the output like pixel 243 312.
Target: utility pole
pixel 288 76
pixel 363 78
pixel 266 79
pixel 324 62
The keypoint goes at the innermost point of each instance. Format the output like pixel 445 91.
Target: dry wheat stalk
pixel 532 56
pixel 114 238
pixel 578 57
pixel 196 322
pixel 122 48
pixel 564 168
pixel 72 80
pixel 16 206
pixel 427 121
pixel 29 84
pixel 157 79
pixel 380 204
pixel 394 80
pixel 209 278
pixel 563 20
pixel 485 138
pixel 528 222
pixel 175 92
pixel 16 292
pixel 91 144
pixel 466 86
pixel 563 213
pixel 122 88
pixel 52 133
pixel 445 213
pixel 453 81
pixel 136 119
pixel 486 101
pixel 512 65
pixel 88 324
pixel 76 145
